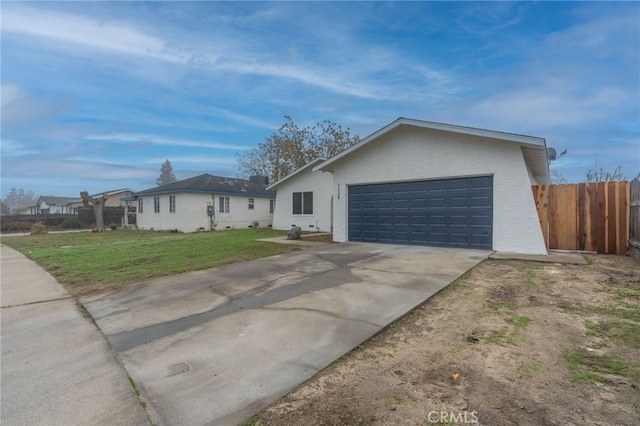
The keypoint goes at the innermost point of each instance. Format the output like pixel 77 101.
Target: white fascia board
pixel 295 172
pixel 530 141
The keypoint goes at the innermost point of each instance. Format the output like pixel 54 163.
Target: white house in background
pixel 48 204
pixel 305 199
pixel 115 198
pixel 204 203
pixel 26 210
pixel 425 183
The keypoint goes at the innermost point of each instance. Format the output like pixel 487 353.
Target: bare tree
pixel 600 175
pixel 291 147
pixel 98 206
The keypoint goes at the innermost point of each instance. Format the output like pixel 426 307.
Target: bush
pixel 70 223
pixel 14 225
pixel 38 228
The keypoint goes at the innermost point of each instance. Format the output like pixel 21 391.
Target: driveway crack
pixel 321 312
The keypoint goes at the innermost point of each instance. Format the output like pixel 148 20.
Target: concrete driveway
pixel 215 347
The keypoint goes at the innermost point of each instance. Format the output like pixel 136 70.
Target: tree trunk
pixel 97 211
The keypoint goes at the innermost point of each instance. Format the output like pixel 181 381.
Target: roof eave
pixel 203 191
pixel 523 140
pixel 297 171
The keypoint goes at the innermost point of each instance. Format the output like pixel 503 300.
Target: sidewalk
pixel 57 368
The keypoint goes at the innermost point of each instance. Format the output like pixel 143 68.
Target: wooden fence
pixel 634 213
pixel 585 216
pixel 111 216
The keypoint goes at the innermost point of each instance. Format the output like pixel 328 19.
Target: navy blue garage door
pixel 446 213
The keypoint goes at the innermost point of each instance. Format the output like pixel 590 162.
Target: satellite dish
pixel 551 154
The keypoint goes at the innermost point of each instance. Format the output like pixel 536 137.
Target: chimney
pixel 260 180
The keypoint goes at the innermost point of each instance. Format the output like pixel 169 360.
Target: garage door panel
pixel 478 220
pixel 447 212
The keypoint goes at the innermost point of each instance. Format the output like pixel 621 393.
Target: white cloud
pixel 547 108
pixel 22 109
pixel 158 140
pixel 85 31
pixel 343 69
pixel 240 118
pixel 11 148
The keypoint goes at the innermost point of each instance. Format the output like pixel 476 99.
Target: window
pixel 172 203
pixel 224 205
pixel 156 204
pixel 303 203
pixel 272 205
pixel 251 203
pixel 140 204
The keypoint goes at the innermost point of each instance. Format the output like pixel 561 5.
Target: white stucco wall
pixel 409 153
pixel 321 184
pixel 191 213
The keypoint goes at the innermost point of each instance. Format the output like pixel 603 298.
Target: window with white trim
pixel 251 203
pixel 272 205
pixel 303 202
pixel 223 206
pixel 140 204
pixel 172 203
pixel 156 204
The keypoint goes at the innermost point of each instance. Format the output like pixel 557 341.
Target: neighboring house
pixel 424 183
pixel 47 204
pixel 115 199
pixel 206 202
pixel 304 199
pixel 26 210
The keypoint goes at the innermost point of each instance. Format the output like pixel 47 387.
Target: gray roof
pixel 210 184
pixel 109 193
pixel 55 201
pixel 112 192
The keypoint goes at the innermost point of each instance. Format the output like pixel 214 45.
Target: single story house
pixel 115 198
pixel 206 202
pixel 424 183
pixel 25 210
pixel 48 204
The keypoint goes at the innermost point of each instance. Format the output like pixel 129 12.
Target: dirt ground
pixel 510 343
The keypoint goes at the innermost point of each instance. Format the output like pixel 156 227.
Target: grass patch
pixel 590 367
pixel 588 259
pixel 529 368
pixel 522 322
pixel 89 262
pixel 628 312
pixel 625 332
pixel 496 337
pixel 398 399
pixel 514 336
pixel 137 391
pixel 530 277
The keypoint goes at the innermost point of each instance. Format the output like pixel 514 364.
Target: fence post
pixel 634 220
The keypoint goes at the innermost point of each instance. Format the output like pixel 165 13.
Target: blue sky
pixel 96 95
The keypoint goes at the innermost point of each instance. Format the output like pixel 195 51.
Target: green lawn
pixel 89 262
